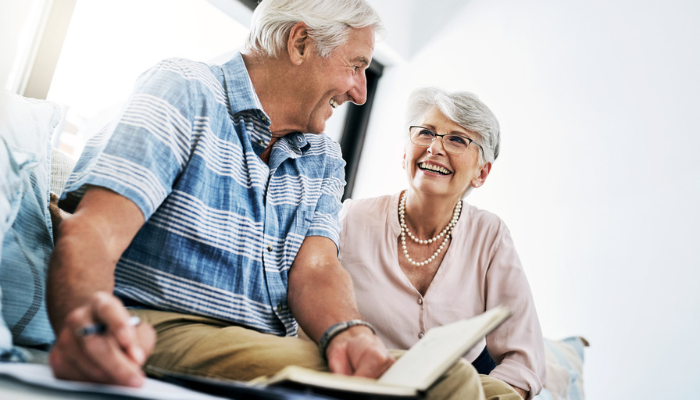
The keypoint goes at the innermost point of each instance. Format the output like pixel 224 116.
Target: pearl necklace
pixel 445 232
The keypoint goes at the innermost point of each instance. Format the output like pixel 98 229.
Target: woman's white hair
pixel 463 108
pixel 329 23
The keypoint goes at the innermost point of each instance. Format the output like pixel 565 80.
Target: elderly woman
pixel 423 257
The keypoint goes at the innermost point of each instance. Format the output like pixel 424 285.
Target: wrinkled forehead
pixel 358 44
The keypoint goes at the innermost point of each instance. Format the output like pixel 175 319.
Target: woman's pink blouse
pixel 481 270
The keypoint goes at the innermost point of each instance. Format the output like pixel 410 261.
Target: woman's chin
pixel 431 190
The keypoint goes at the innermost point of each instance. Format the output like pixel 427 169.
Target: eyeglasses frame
pixel 441 136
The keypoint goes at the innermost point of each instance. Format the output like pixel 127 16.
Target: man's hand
pixel 358 351
pixel 114 357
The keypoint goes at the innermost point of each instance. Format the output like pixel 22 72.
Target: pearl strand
pixel 445 232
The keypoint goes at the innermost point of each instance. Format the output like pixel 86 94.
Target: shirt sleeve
pixel 143 151
pixel 325 217
pixel 517 345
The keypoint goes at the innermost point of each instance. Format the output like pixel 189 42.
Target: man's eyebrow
pixel 363 60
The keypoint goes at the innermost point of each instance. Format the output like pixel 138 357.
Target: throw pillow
pixel 564 369
pixel 10 196
pixel 27 125
pixel 10 186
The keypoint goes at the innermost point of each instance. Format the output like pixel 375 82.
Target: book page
pixel 440 348
pixel 335 381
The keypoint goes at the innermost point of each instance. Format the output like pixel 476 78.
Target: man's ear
pixel 298 43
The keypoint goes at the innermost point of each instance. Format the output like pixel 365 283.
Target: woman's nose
pixel 435 147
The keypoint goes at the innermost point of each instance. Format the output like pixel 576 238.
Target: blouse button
pixel 420 335
pixel 420 301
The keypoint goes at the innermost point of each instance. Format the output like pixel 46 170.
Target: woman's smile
pixel 431 167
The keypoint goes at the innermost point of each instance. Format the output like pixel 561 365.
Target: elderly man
pixel 208 212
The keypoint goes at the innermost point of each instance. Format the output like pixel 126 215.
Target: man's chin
pixel 316 129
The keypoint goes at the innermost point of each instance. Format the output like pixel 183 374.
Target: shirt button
pixel 269 248
pixel 420 335
pixel 420 301
pixel 264 118
pixel 280 308
pixel 300 139
pixel 261 143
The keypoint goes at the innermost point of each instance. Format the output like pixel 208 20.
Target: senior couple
pixel 210 209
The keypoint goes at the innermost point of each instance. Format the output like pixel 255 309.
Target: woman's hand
pixel 521 392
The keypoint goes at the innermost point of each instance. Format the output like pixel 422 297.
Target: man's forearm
pixel 88 247
pixel 322 298
pixel 78 268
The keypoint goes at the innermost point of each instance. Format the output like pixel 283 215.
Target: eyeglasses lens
pixel 452 143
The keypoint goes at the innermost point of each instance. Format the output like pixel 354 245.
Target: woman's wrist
pixel 523 393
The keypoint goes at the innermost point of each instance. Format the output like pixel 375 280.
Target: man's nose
pixel 358 92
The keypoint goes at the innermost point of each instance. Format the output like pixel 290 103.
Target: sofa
pixel 32 174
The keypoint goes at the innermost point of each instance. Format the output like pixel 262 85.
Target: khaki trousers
pixel 208 347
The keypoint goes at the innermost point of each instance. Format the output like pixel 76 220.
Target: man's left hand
pixel 359 352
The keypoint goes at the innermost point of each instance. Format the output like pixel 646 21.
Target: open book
pixel 410 376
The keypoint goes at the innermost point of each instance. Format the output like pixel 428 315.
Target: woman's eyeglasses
pixel 453 143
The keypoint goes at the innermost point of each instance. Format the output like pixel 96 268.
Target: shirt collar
pixel 297 141
pixel 239 87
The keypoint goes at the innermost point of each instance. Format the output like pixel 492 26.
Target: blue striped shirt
pixel 222 227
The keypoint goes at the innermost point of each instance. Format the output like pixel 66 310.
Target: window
pixel 110 43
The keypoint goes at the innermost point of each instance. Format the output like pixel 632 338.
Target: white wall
pixel 599 174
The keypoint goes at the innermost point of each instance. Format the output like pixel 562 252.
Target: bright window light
pixel 111 42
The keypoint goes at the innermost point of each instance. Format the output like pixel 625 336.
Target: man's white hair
pixel 329 23
pixel 463 108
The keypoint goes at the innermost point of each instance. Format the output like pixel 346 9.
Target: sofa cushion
pixel 26 126
pixel 564 369
pixel 61 167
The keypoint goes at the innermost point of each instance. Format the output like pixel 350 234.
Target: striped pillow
pixel 564 369
pixel 26 125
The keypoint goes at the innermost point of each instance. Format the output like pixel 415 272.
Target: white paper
pixel 40 375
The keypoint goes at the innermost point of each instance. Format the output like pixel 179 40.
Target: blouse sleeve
pixel 517 345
